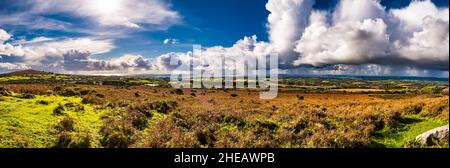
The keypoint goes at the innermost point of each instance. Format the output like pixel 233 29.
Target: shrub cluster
pixel 117 133
pixel 69 137
pixel 93 99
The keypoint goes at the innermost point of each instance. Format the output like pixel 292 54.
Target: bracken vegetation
pixel 111 116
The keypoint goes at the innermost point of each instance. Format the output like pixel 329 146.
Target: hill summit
pixel 28 72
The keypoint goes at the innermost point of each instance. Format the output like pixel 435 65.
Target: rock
pixel 438 134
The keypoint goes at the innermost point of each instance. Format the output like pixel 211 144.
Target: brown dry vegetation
pixel 163 117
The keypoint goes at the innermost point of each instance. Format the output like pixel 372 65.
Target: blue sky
pixel 205 22
pixel 183 22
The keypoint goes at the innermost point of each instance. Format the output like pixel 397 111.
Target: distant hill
pixel 28 72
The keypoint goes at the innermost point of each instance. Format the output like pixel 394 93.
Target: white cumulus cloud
pixel 358 36
pixel 286 22
pixel 4 36
pixel 128 13
pixel 346 42
pixel 363 32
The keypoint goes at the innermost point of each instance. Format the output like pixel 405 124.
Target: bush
pixel 266 124
pixel 64 140
pixel 211 101
pixel 66 124
pixel 338 140
pixel 437 108
pixel 159 106
pixel 116 104
pixel 86 92
pixel 59 110
pixel 141 109
pixel 117 134
pixel 90 99
pixel 42 102
pixel 116 140
pixel 100 95
pixel 445 91
pixel 392 118
pixel 139 120
pixel 414 109
pixel 49 92
pixel 300 125
pixel 72 140
pixel 206 137
pixel 68 138
pixel 163 106
pixel 81 142
pixel 234 95
pixel 375 119
pixel 68 92
pixel 70 105
pixel 58 88
pixel 26 96
pixel 178 91
pixel 74 106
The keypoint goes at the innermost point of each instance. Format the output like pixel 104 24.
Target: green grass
pixel 34 78
pixel 26 123
pixel 406 131
pixel 13 78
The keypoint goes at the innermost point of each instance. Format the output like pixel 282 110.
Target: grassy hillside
pixel 29 72
pixel 33 122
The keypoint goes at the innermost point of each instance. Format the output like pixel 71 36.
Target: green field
pixel 32 123
pixel 405 132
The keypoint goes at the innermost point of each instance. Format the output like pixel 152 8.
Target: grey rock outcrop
pixel 438 134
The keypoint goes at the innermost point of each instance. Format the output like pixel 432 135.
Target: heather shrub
pixel 73 140
pixel 59 110
pixel 138 120
pixel 117 133
pixel 162 106
pixel 92 99
pixel 66 124
pixel 67 92
pixel 26 96
pixel 42 102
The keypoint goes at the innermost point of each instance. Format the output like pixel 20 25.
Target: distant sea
pixel 373 77
pixel 413 78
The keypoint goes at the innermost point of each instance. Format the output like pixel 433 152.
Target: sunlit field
pixel 65 115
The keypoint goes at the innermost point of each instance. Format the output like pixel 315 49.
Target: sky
pixel 312 37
